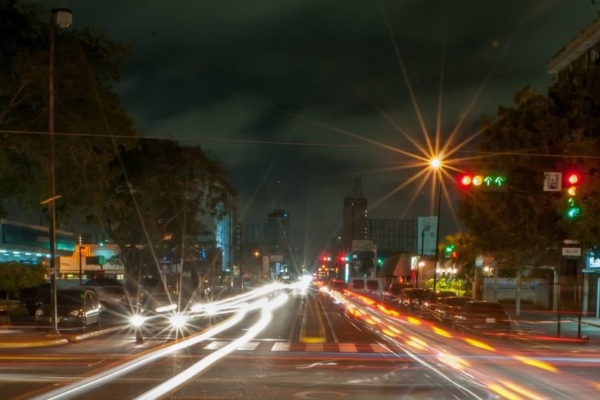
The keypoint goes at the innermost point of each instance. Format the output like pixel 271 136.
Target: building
pixel 581 52
pixel 276 232
pixel 354 217
pixel 30 244
pixel 393 236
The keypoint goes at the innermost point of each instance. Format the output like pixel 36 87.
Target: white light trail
pixel 78 388
pixel 183 377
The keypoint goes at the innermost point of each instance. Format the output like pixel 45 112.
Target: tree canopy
pixel 87 64
pixel 161 195
pixel 557 132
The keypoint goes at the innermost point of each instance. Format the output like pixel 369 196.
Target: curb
pixel 84 336
pixel 32 344
pixel 58 341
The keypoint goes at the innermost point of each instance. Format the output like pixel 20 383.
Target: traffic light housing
pixel 573 179
pixel 489 182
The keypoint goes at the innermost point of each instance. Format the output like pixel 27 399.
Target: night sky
pixel 325 73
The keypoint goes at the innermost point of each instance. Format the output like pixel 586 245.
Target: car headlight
pixel 137 320
pixel 75 313
pixel 169 307
pixel 177 321
pixel 39 312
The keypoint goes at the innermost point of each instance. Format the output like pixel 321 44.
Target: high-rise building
pixel 276 231
pixel 581 52
pixel 355 217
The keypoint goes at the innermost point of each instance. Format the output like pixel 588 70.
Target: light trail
pixel 180 379
pixel 78 388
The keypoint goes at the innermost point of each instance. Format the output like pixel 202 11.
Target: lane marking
pixel 347 348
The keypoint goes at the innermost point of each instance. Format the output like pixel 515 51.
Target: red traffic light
pixel 466 180
pixel 573 179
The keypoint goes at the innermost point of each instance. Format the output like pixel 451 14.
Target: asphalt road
pixel 354 361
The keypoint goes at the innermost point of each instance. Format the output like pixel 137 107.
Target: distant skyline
pixel 313 94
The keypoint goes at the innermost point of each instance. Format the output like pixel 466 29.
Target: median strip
pixel 312 329
pixel 84 336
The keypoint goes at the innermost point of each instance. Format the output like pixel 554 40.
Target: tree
pixel 87 65
pixel 162 194
pixel 463 255
pixel 539 134
pixel 15 276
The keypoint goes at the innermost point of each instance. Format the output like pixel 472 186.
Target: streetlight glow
pixel 435 163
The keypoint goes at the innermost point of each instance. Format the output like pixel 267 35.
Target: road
pixel 353 360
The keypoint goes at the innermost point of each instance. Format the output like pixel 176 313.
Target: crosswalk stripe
pixel 281 347
pixel 303 347
pixel 377 348
pixel 216 345
pixel 347 348
pixel 249 346
pixel 314 347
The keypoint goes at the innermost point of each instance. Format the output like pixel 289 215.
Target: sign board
pixel 362 245
pixel 276 257
pixel 426 231
pixel 479 261
pixel 552 181
pixel 571 242
pixel 571 251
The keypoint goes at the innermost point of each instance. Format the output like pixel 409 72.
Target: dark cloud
pixel 300 71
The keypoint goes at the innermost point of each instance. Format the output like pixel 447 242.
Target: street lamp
pixel 61 17
pixel 436 164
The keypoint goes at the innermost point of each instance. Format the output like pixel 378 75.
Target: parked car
pixel 111 297
pixel 432 298
pixel 14 308
pixel 412 297
pixel 446 308
pixel 35 296
pixel 392 291
pixel 482 316
pixel 76 308
pixel 427 305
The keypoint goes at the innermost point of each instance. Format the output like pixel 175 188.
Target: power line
pixel 289 143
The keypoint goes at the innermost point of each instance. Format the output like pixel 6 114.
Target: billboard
pixel 426 231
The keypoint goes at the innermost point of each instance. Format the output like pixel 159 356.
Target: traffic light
pixel 483 182
pixel 326 258
pixel 344 259
pixel 449 250
pixel 380 262
pixel 572 184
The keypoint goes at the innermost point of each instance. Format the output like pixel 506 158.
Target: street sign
pixel 571 242
pixel 552 181
pixel 571 251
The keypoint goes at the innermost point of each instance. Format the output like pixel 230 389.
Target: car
pixel 76 308
pixel 392 291
pixel 35 296
pixel 483 317
pixel 14 308
pixel 431 299
pixel 111 297
pixel 412 297
pixel 446 308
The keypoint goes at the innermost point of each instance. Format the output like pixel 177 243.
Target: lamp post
pixel 61 17
pixel 436 164
pixel 81 248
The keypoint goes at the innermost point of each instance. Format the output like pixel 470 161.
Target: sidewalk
pixel 544 325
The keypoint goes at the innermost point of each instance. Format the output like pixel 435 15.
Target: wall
pixel 536 290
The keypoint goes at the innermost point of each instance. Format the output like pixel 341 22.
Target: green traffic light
pixel 573 212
